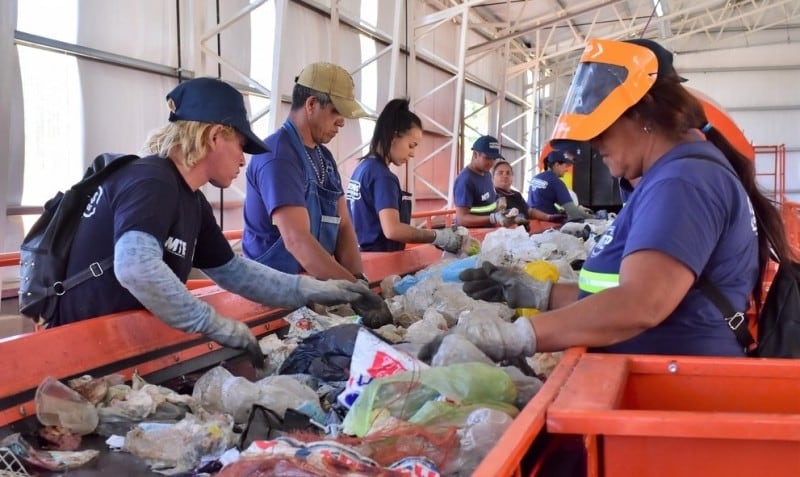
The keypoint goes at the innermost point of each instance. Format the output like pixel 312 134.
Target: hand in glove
pixel 512 285
pixel 331 292
pixel 371 307
pixel 448 240
pixel 498 339
pixel 499 218
pixel 235 334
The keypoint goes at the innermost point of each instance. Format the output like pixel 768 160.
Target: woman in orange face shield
pixel 695 217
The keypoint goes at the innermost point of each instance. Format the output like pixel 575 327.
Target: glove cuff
pixel 527 336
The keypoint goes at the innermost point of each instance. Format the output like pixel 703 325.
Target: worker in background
pixel 548 192
pixel 695 214
pixel 502 177
pixel 156 223
pixel 380 209
pixel 473 191
pixel 295 214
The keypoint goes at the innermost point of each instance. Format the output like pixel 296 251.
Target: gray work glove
pixel 499 218
pixel 448 239
pixel 331 292
pixel 368 304
pixel 237 335
pixel 498 339
pixel 509 284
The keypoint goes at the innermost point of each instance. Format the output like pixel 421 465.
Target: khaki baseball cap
pixel 337 83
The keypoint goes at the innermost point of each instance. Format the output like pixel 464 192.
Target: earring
pixel 647 129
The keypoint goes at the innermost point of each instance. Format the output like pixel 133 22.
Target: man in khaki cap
pixel 295 214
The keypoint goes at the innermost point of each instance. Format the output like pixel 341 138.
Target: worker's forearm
pixel 563 294
pixel 347 253
pixel 408 234
pixel 472 220
pixel 316 260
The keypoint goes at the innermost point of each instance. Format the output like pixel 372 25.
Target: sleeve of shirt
pixel 676 218
pixel 462 195
pixel 386 193
pixel 212 248
pixel 281 178
pixel 562 194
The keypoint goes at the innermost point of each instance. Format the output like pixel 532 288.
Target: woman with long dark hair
pixel 695 216
pixel 380 209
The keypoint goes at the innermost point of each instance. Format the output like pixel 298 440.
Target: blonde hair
pixel 190 137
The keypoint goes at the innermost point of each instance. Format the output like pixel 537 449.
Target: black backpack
pixel 778 320
pixel 44 252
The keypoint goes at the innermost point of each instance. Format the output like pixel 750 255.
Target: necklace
pixel 319 169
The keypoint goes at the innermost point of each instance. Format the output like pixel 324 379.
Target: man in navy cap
pixel 548 192
pixel 473 191
pixel 151 217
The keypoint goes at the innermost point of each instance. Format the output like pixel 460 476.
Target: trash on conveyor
pixel 57 461
pixel 179 447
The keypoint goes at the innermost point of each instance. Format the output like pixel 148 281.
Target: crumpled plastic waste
pixel 439 395
pixel 285 456
pixel 219 390
pixel 482 429
pixel 374 358
pixel 56 461
pixel 174 448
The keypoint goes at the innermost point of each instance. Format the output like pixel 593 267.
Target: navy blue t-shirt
pixel 697 212
pixel 547 189
pixel 276 179
pixel 372 188
pixel 149 195
pixel 473 190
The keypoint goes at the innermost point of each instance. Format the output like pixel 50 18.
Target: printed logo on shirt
pixel 605 239
pixel 753 223
pixel 538 184
pixel 353 190
pixel 175 246
pixel 485 196
pixel 91 207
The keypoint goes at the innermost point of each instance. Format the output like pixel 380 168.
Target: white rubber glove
pixel 448 240
pixel 497 338
pixel 235 334
pixel 331 292
pixel 499 218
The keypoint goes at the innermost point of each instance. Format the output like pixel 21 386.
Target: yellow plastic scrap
pixel 541 270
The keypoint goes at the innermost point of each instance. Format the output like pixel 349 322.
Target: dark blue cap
pixel 213 101
pixel 663 56
pixel 558 156
pixel 488 145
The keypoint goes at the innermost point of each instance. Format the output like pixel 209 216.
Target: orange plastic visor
pixel 611 77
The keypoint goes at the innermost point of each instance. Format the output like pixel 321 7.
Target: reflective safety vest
pixel 483 209
pixel 593 282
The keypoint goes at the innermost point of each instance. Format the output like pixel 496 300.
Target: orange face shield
pixel 611 77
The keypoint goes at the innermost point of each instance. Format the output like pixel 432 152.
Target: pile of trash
pixel 338 397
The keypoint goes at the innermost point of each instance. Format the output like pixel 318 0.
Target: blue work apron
pixel 321 204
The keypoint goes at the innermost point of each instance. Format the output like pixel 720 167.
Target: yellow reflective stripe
pixel 593 282
pixel 483 209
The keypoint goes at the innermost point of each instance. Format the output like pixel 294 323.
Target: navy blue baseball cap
pixel 489 146
pixel 558 156
pixel 214 101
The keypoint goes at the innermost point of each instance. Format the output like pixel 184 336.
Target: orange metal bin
pixel 683 416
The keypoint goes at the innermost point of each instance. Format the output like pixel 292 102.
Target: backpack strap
pixel 736 320
pixel 94 270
